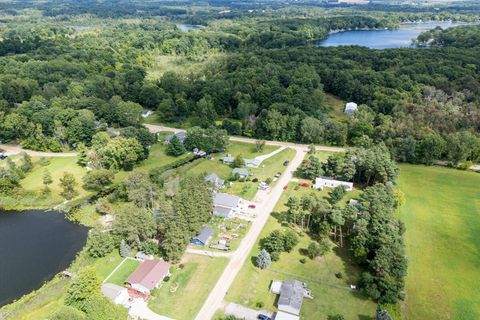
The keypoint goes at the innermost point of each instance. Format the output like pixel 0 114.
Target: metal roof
pixel 204 235
pixel 226 200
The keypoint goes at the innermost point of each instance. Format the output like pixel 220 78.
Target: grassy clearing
pixel 337 107
pixel 193 283
pixel 442 219
pixel 331 294
pixel 248 150
pixel 122 273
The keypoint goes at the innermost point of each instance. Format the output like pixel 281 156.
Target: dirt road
pixel 16 149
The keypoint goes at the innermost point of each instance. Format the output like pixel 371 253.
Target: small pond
pixel 34 246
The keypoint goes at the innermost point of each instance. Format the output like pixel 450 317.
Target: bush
pixel 303 260
pixel 313 250
pixel 268 180
pixel 83 286
pixel 67 313
pixel 166 279
pixel 150 247
pixel 44 161
pixel 259 304
pixel 339 275
pixel 275 256
pixel 97 180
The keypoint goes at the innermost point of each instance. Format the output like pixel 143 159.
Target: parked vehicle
pixel 304 184
pixel 286 163
pixel 3 156
pixel 252 206
pixel 263 317
pixel 285 187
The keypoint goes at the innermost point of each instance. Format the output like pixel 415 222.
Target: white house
pixel 226 205
pixel 321 183
pixel 350 108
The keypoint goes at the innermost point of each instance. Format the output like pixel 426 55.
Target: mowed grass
pixel 442 219
pixel 194 281
pixel 332 295
pixel 122 273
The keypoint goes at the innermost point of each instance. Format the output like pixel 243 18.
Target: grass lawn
pixel 247 150
pixel 193 284
pixel 331 294
pixel 122 273
pixel 337 107
pixel 442 219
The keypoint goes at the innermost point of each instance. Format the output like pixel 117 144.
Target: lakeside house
pixel 181 135
pixel 203 237
pixel 292 293
pixel 227 205
pixel 241 173
pixel 148 275
pixel 350 108
pixel 215 180
pixel 321 183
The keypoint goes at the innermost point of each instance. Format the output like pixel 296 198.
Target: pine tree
pixel 263 259
pixel 47 180
pixel 175 147
pixel 124 249
pixel 82 155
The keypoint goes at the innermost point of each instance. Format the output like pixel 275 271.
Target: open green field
pixel 122 273
pixel 442 219
pixel 193 284
pixel 332 295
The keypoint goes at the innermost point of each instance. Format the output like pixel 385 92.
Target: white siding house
pixel 350 108
pixel 321 183
pixel 226 205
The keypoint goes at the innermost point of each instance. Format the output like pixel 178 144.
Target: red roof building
pixel 148 275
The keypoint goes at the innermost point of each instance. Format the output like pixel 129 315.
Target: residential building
pixel 116 293
pixel 241 172
pixel 226 205
pixel 142 256
pixel 146 113
pixel 350 108
pixel 202 238
pixel 321 183
pixel 228 159
pixel 252 163
pixel 148 275
pixel 181 135
pixel 291 297
pixel 215 181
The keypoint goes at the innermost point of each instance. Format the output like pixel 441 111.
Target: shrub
pixel 99 244
pixel 259 304
pixel 339 275
pixel 97 180
pixel 313 250
pixel 303 260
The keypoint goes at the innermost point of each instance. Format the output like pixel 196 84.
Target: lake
pixel 383 39
pixel 34 246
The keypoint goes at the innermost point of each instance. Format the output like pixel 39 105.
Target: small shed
pixel 350 108
pixel 142 256
pixel 202 238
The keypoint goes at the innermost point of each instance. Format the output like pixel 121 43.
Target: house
pixel 226 205
pixel 181 135
pixel 215 181
pixel 116 293
pixel 252 163
pixel 285 316
pixel 291 294
pixel 202 238
pixel 142 256
pixel 321 183
pixel 228 159
pixel 148 275
pixel 240 172
pixel 350 108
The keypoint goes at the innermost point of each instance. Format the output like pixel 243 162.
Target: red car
pixel 304 184
pixel 285 187
pixel 252 206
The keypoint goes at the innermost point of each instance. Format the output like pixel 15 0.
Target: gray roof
pixel 213 178
pixel 240 171
pixel 204 235
pixel 181 135
pixel 227 159
pixel 291 295
pixel 111 291
pixel 252 162
pixel 226 200
pixel 222 211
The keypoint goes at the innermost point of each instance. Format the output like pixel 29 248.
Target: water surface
pixel 34 246
pixel 383 39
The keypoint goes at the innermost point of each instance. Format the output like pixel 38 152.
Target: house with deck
pixel 203 237
pixel 292 293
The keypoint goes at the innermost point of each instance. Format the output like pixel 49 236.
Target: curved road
pixel 11 149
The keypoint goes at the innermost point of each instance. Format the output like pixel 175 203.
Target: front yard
pixel 123 272
pixel 183 295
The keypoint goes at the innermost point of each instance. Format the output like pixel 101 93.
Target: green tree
pixel 97 180
pixel 82 286
pixel 238 162
pixel 99 244
pixel 124 249
pixel 263 259
pixel 259 145
pixel 175 147
pixel 68 183
pixel 67 313
pixel 26 164
pixel 133 224
pixel 47 180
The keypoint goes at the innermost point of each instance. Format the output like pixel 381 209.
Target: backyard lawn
pixel 442 220
pixel 183 295
pixel 122 273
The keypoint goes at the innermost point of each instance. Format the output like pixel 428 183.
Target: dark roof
pixel 204 235
pixel 291 294
pixel 149 273
pixel 213 178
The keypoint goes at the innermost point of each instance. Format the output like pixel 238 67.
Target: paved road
pixel 156 128
pixel 139 310
pixel 209 253
pixel 242 312
pixel 15 149
pixel 238 258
